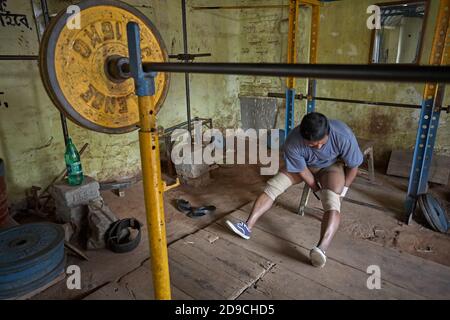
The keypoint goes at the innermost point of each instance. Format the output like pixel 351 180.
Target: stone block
pixel 74 196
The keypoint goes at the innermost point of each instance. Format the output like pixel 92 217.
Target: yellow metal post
pixel 292 37
pixel 151 167
pixel 441 47
pixel 315 22
pixel 291 58
pixel 153 192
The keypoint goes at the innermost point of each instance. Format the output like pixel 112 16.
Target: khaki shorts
pixel 337 167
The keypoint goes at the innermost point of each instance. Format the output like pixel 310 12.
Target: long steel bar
pixel 64 127
pixel 370 103
pixel 360 72
pixel 18 57
pixel 267 6
pixel 185 51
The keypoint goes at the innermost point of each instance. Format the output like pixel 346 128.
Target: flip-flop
pixel 200 212
pixel 184 206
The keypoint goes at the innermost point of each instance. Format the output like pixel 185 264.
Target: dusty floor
pixel 372 212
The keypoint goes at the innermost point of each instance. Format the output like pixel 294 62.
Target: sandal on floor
pixel 185 207
pixel 200 212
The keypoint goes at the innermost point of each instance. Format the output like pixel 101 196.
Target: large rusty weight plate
pixel 73 62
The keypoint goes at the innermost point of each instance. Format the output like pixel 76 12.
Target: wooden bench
pixel 366 147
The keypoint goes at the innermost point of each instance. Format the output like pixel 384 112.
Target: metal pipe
pixel 275 6
pixel 153 197
pixel 376 72
pixel 3 195
pixel 188 56
pixel 373 103
pixel 186 76
pixel 64 127
pixel 18 57
pixel 151 166
pixel 267 6
pixel 45 13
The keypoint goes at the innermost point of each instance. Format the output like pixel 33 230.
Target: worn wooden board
pixel 400 166
pixel 339 277
pixel 218 270
pixel 202 266
pixel 137 285
pixel 282 284
pixel 415 274
pixel 219 254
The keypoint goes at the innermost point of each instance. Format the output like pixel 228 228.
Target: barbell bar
pixel 359 72
pixel 354 101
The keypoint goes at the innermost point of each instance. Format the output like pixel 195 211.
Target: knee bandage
pixel 330 200
pixel 277 185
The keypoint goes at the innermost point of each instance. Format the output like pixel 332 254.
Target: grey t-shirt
pixel 341 144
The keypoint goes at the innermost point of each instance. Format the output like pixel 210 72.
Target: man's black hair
pixel 314 126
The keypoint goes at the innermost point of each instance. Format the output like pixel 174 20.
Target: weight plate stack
pixel 31 256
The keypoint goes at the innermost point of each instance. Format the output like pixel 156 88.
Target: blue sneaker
pixel 239 228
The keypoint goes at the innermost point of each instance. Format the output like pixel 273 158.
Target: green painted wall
pixel 30 135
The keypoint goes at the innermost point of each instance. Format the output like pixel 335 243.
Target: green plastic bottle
pixel 73 164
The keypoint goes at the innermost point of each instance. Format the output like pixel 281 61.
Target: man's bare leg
pixel 329 227
pixel 263 203
pixel 334 181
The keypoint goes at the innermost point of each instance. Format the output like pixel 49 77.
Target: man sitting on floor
pixel 325 155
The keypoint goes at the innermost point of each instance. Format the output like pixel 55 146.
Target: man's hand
pixel 316 186
pixel 309 179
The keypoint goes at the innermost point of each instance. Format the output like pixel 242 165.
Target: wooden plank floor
pixel 215 264
pixel 202 266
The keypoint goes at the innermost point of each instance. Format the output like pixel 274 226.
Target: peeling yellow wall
pixel 343 38
pixel 31 141
pixel 30 133
pixel 347 40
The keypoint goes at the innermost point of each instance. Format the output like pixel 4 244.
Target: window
pixel 401 35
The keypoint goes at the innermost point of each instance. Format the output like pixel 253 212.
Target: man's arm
pixel 353 158
pixel 350 175
pixel 309 179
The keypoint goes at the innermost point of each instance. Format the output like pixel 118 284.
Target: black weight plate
pixel 424 210
pixel 436 213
